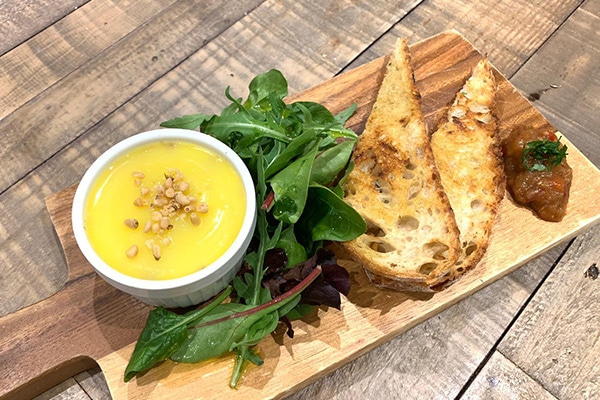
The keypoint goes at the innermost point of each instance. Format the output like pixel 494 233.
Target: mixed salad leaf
pixel 298 155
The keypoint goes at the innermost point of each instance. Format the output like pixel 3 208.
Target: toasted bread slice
pixel 467 151
pixel 412 240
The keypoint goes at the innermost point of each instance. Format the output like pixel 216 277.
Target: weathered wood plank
pixel 19 20
pixel 47 123
pixel 508 32
pixel 94 384
pixel 66 45
pixel 374 370
pixel 435 359
pixel 28 244
pixel 498 258
pixel 484 300
pixel 68 389
pixel 501 379
pixel 591 6
pixel 556 340
pixel 444 45
pixel 571 62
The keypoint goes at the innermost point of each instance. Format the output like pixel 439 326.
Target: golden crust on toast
pixel 412 240
pixel 467 150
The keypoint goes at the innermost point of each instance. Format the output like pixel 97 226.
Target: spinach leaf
pixel 290 186
pixel 328 217
pixel 163 334
pixel 329 163
pixel 233 325
pixel 210 341
pixel 345 115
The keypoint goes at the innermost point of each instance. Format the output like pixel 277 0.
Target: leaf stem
pixel 275 302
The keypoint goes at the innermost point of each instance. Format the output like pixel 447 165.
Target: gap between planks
pixel 517 315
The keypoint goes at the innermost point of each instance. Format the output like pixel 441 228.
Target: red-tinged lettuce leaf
pixel 337 276
pixel 325 290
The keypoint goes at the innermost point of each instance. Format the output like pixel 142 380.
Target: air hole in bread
pixel 350 189
pixel 437 250
pixel 460 269
pixel 408 174
pixel 477 205
pixel 374 230
pixel 410 166
pixel 368 163
pixel 419 152
pixel 413 191
pixel 384 189
pixel 408 223
pixel 427 268
pixel 382 186
pixel 470 248
pixel 376 171
pixel 381 247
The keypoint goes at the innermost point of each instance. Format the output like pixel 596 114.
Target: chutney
pixel 545 189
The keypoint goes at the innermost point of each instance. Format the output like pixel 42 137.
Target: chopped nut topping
pixel 132 223
pixel 167 202
pixel 165 222
pixel 147 227
pixel 195 219
pixel 182 199
pixel 132 251
pixel 170 192
pixel 202 207
pixel 156 251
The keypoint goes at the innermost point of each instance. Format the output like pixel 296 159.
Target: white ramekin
pixel 188 290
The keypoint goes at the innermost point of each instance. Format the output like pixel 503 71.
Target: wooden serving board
pixel 89 322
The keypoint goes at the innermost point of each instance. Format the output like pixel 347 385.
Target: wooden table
pixel 78 75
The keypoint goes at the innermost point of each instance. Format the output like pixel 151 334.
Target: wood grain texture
pixel 79 324
pixel 32 267
pixel 565 61
pixel 67 390
pixel 19 20
pixel 43 126
pixel 93 383
pixel 430 373
pixel 66 45
pixel 38 129
pixel 556 340
pixel 370 317
pixel 559 354
pixel 507 32
pixel 501 379
pixel 435 359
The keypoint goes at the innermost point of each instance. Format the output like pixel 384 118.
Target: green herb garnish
pixel 543 155
pixel 298 154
